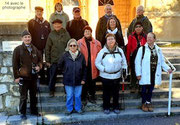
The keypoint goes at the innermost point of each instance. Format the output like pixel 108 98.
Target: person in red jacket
pixel 89 48
pixel 135 40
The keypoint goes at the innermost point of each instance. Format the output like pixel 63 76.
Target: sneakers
pixel 150 107
pixel 106 111
pixel 144 107
pixel 23 117
pixel 116 111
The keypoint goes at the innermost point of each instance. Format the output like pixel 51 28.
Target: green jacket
pixel 63 17
pixel 55 45
pixel 147 26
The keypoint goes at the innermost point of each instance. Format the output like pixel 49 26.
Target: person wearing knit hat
pixel 135 40
pixel 59 14
pixel 90 48
pixel 39 29
pixel 27 62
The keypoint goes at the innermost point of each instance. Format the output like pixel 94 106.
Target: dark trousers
pixel 89 88
pixel 110 88
pixel 30 85
pixel 133 74
pixel 52 77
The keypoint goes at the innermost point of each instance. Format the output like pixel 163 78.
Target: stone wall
pixel 9 91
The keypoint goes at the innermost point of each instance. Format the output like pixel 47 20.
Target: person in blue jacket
pixel 74 75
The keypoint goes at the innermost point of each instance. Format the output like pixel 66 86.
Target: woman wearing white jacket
pixel 110 61
pixel 149 63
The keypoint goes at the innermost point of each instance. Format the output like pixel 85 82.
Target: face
pixel 111 41
pixel 108 10
pixel 150 39
pixel 112 23
pixel 58 8
pixel 73 47
pixel 26 39
pixel 139 11
pixel 87 33
pixel 57 26
pixel 138 29
pixel 39 13
pixel 76 14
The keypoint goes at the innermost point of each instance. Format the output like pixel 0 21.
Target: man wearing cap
pixel 76 25
pixel 27 61
pixel 39 29
pixel 101 27
pixel 55 47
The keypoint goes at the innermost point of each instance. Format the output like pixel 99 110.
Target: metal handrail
pixel 170 85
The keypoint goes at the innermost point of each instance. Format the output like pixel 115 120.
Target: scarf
pixel 39 21
pixel 73 55
pixel 60 13
pixel 113 32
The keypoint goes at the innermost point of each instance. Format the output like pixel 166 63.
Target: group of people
pixel 70 47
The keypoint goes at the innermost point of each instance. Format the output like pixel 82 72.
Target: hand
pixel 48 64
pixel 17 80
pixel 82 82
pixel 138 77
pixel 170 71
pixel 37 68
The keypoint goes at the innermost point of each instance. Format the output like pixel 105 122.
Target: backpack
pixel 118 52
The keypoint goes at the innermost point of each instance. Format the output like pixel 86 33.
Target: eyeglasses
pixel 72 45
pixel 138 26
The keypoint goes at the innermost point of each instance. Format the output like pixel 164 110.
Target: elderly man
pixel 76 25
pixel 147 26
pixel 27 61
pixel 39 29
pixel 102 23
pixel 55 47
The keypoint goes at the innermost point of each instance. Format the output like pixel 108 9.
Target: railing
pixel 170 85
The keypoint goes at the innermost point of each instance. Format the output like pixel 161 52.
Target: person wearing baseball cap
pixel 39 29
pixel 76 25
pixel 55 46
pixel 25 69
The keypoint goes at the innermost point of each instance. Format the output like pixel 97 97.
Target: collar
pixel 60 13
pixel 113 32
pixel 39 21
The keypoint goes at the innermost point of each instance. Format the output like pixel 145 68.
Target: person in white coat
pixel 110 62
pixel 149 63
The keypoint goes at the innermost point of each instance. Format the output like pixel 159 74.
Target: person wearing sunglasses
pixel 74 75
pixel 135 40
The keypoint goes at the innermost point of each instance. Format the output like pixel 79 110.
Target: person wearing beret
pixel 90 48
pixel 76 25
pixel 59 14
pixel 27 62
pixel 55 47
pixel 39 29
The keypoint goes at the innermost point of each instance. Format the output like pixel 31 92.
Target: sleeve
pixel 98 29
pixel 165 67
pixel 124 62
pixel 16 63
pixel 40 59
pixel 138 62
pixel 30 26
pixel 128 50
pixel 147 26
pixel 61 62
pixel 119 25
pixel 130 29
pixel 48 50
pixel 51 20
pixel 98 62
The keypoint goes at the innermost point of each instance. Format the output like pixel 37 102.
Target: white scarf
pixel 113 32
pixel 73 55
pixel 60 13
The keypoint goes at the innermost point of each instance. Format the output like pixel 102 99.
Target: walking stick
pixel 39 97
pixel 170 85
pixel 123 79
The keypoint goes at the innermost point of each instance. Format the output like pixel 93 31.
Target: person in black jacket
pixel 39 29
pixel 112 27
pixel 75 26
pixel 74 75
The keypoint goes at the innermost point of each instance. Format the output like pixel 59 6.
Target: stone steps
pixel 61 118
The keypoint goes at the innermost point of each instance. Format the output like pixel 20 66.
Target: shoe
pixel 68 113
pixel 150 107
pixel 80 112
pixel 51 94
pixel 23 117
pixel 106 111
pixel 116 111
pixel 144 108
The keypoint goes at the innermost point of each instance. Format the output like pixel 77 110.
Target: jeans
pixel 147 93
pixel 73 93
